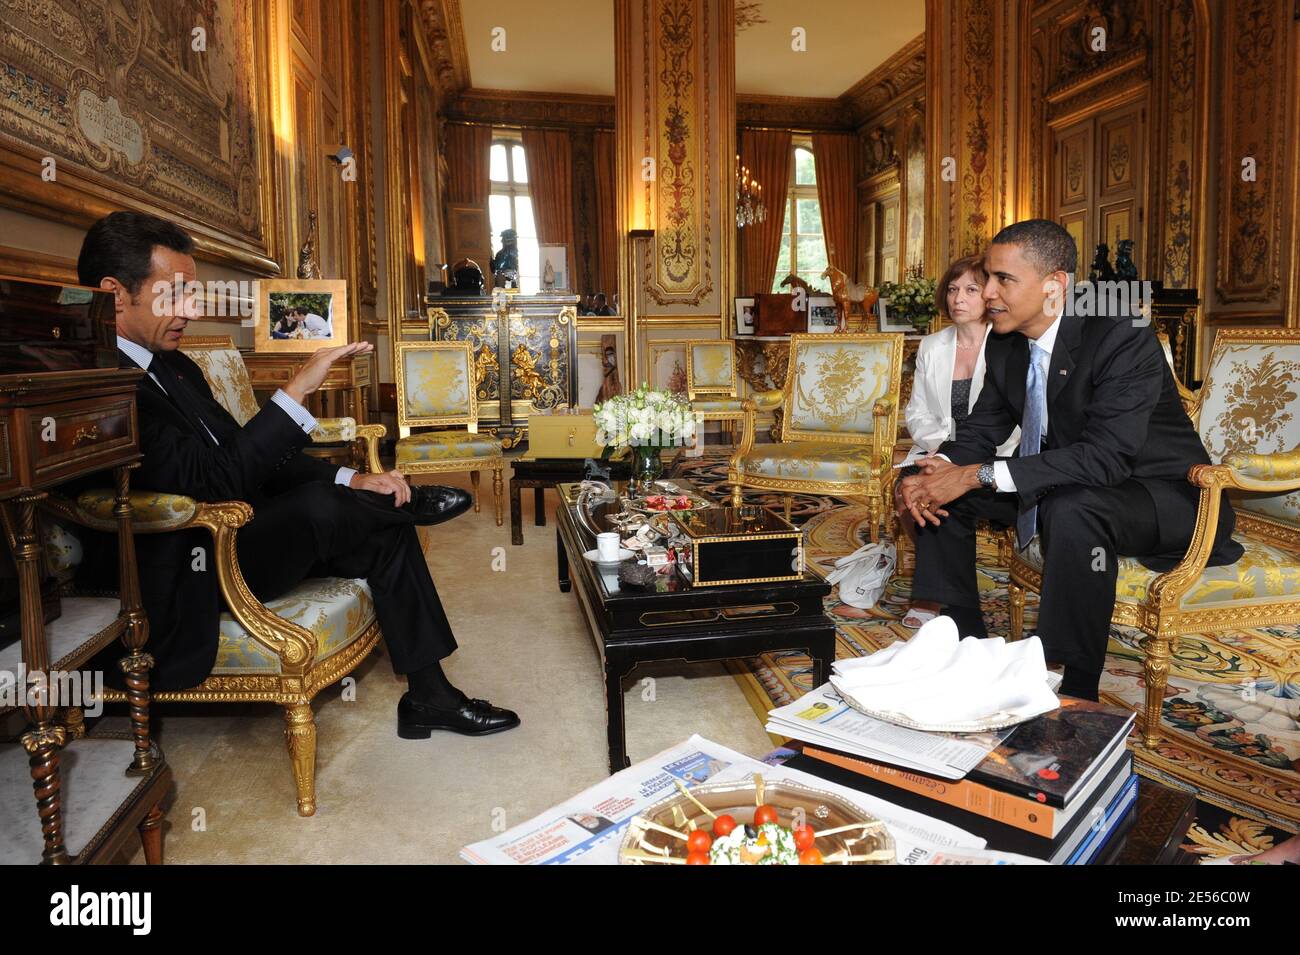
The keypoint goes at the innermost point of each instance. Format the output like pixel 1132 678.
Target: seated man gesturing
pixel 309 518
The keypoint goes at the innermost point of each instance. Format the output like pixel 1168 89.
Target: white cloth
pixel 929 408
pixel 316 326
pixel 936 678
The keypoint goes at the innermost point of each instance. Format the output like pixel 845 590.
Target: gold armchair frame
pixel 406 422
pixel 713 391
pixel 1159 615
pixel 882 438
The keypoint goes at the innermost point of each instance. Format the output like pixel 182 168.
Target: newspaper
pixel 823 718
pixel 588 829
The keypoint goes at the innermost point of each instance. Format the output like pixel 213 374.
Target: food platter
pixel 840 833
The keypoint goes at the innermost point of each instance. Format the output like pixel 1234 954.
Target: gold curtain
pixel 549 155
pixel 767 154
pixel 606 213
pixel 835 156
pixel 468 158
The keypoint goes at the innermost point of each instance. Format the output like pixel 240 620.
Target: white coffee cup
pixel 607 546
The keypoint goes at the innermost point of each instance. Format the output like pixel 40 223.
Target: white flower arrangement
pixel 644 418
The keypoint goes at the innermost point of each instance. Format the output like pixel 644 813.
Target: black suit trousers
pixel 319 529
pixel 1083 532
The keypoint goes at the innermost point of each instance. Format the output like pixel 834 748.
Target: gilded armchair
pixel 837 432
pixel 1248 415
pixel 436 387
pixel 289 649
pixel 711 382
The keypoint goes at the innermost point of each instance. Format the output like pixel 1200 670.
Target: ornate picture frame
pixel 300 315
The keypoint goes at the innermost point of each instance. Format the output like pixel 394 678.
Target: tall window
pixel 511 207
pixel 803 246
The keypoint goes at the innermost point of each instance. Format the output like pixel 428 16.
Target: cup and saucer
pixel 609 549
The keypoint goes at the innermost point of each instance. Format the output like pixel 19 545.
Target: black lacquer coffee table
pixel 674 621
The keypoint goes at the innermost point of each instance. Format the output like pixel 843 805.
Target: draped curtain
pixel 468 158
pixel 606 213
pixel 549 155
pixel 767 154
pixel 835 156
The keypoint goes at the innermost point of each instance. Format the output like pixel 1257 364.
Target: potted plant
pixel 913 300
pixel 647 421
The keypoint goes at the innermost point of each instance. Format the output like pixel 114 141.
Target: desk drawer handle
pixel 86 433
pixel 573 436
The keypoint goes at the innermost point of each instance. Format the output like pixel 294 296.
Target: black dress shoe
pixel 416 719
pixel 434 503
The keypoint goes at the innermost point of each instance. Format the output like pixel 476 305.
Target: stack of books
pixel 1059 787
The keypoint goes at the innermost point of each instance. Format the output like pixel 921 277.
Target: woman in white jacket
pixel 949 377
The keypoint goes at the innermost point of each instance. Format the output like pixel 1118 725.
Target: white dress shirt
pixel 300 415
pixel 1001 473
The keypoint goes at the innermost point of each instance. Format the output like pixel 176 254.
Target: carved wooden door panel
pixel 1098 174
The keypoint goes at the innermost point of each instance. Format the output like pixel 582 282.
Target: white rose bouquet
pixel 913 300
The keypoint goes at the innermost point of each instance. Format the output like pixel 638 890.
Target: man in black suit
pixel 1102 467
pixel 310 519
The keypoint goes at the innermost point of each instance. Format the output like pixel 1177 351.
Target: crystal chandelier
pixel 749 198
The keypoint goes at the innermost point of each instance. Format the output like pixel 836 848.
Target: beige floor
pixel 523 644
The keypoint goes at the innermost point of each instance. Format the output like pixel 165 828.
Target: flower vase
pixel 647 467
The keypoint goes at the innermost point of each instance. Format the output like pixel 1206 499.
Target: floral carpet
pixel 1231 713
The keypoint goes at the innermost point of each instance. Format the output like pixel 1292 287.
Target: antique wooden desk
pixel 270 370
pixel 676 622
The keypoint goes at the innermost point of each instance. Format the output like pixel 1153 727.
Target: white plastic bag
pixel 862 575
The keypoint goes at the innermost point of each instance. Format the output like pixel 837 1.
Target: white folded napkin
pixel 935 678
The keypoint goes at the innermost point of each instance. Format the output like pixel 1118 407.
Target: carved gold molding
pixel 525 108
pixel 792 112
pixel 444 32
pixel 893 81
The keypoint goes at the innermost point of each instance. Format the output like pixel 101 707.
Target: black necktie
pixel 180 393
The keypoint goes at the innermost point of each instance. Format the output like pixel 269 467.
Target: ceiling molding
pixel 792 112
pixel 445 34
pixel 899 77
pixel 527 108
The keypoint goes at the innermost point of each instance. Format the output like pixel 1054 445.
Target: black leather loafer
pixel 434 503
pixel 416 720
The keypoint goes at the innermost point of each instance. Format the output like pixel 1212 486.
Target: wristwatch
pixel 986 476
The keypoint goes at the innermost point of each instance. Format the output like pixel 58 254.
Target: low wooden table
pixel 678 622
pixel 541 473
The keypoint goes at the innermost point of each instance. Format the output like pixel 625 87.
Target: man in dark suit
pixel 1102 466
pixel 310 519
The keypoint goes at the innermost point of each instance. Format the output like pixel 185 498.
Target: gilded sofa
pixel 839 425
pixel 711 382
pixel 289 649
pixel 436 387
pixel 1248 415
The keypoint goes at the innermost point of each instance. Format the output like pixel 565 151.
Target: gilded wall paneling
pixel 133 117
pixel 1254 39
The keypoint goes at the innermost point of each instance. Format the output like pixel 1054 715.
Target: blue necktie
pixel 1031 431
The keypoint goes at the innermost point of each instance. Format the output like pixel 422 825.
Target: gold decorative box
pixel 563 436
pixel 738 545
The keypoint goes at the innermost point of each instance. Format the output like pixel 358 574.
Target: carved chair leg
pixel 151 836
pixel 74 718
pixel 1156 673
pixel 496 494
pixel 785 498
pixel 300 735
pixel 873 519
pixel 1016 596
pixel 473 480
pixel 736 497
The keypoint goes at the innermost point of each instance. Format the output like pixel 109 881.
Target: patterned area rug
pixel 1231 713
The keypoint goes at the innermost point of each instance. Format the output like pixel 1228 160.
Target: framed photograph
pixel 744 317
pixel 823 318
pixel 553 265
pixel 300 315
pixel 891 323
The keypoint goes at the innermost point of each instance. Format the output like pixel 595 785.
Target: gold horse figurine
pixel 848 294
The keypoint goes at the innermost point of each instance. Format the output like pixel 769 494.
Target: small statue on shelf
pixel 1101 270
pixel 1125 269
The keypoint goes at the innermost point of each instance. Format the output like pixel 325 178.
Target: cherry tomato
pixel 810 857
pixel 723 825
pixel 697 858
pixel 803 837
pixel 763 815
pixel 699 841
